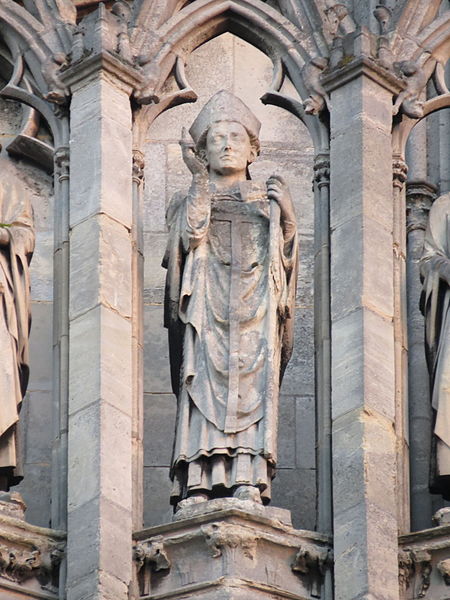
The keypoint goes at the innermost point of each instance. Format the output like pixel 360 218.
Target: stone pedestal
pixel 29 556
pixel 230 549
pixel 424 561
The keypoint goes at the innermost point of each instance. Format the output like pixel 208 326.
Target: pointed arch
pixel 253 21
pixel 29 33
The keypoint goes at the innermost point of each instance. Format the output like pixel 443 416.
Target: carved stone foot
pixel 12 504
pixel 442 517
pixel 248 492
pixel 194 499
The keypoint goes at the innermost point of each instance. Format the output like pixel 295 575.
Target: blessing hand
pixel 193 162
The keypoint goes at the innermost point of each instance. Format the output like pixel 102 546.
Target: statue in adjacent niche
pixel 16 249
pixel 229 307
pixel 435 305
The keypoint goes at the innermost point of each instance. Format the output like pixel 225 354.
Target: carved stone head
pixel 226 133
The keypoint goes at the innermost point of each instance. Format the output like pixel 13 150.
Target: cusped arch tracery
pixel 253 21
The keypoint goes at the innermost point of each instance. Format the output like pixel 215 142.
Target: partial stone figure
pixel 16 249
pixel 229 307
pixel 435 305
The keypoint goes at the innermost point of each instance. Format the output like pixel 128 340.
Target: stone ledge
pixel 424 564
pixel 223 554
pixel 29 558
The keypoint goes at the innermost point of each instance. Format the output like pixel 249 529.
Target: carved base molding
pixel 230 551
pixel 29 556
pixel 424 562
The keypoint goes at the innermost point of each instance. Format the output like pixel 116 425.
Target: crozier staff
pixel 16 249
pixel 229 307
pixel 435 304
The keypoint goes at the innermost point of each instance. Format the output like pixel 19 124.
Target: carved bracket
pixel 152 553
pixel 312 562
pixel 221 537
pixel 318 98
pixel 415 566
pixel 21 564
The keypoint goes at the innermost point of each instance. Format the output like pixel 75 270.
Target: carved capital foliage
pixel 138 167
pixel 322 170
pixel 223 537
pixel 419 198
pixel 405 569
pixel 62 162
pixel 399 172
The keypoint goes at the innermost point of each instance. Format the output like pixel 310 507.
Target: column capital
pixel 62 162
pixel 358 67
pixel 420 195
pixel 399 172
pixel 121 73
pixel 322 169
pixel 138 167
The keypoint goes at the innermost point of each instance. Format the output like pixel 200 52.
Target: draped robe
pixel 435 305
pixel 16 219
pixel 229 308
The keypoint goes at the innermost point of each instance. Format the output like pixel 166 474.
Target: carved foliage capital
pixel 399 173
pixel 224 537
pixel 419 198
pixel 322 170
pixel 138 166
pixel 62 162
pixel 415 565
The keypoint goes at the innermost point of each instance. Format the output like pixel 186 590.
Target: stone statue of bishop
pixel 230 292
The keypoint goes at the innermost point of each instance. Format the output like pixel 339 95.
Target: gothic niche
pixel 286 153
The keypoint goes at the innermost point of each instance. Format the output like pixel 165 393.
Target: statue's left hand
pixel 4 237
pixel 278 190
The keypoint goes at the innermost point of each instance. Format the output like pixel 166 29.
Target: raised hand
pixel 278 190
pixel 192 160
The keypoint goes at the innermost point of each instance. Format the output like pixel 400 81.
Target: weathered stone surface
pixel 30 557
pixel 100 247
pixel 230 553
pixel 428 554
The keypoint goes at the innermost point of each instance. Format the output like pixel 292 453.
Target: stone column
pixel 322 344
pixel 138 341
pixel 101 336
pixel 322 340
pixel 363 356
pixel 399 173
pixel 419 197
